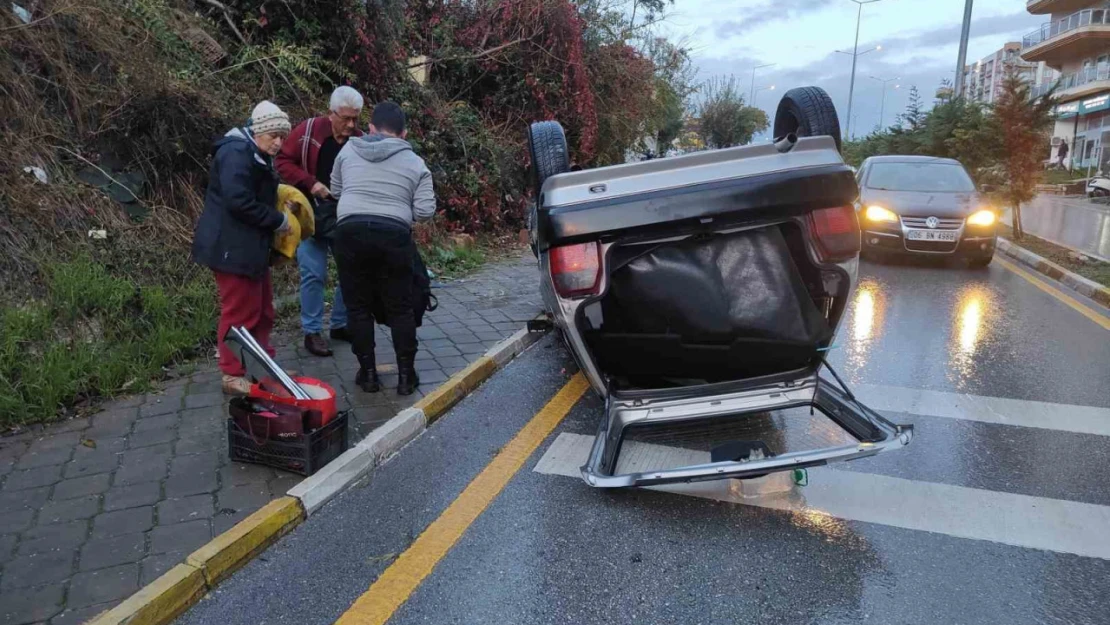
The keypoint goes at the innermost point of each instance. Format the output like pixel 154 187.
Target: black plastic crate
pixel 305 454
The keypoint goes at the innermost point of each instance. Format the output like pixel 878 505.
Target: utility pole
pixel 751 98
pixel 962 58
pixel 855 55
pixel 882 106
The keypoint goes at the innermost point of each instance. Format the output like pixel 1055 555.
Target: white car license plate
pixel 932 235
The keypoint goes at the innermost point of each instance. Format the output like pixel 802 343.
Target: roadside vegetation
pixel 108 110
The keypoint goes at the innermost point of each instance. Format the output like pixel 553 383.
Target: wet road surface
pixel 997 513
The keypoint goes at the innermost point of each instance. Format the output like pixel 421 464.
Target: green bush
pixel 94 335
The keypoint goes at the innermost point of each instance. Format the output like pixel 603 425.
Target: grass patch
pixel 93 335
pixel 1092 269
pixel 450 261
pixel 1063 176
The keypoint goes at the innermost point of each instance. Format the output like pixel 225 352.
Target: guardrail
pixel 1079 19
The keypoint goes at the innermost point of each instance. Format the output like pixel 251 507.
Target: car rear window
pixel 937 177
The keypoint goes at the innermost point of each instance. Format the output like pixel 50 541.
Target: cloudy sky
pixel 919 39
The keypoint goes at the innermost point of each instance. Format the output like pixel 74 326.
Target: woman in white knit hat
pixel 234 233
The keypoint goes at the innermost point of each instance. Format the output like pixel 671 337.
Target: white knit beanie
pixel 267 117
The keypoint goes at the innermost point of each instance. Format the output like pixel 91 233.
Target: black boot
pixel 367 376
pixel 407 380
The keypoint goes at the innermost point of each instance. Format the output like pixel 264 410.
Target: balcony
pixel 1045 7
pixel 1081 34
pixel 1078 84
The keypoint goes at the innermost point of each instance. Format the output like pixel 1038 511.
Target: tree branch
pixel 476 55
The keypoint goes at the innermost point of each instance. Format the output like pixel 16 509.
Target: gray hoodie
pixel 380 175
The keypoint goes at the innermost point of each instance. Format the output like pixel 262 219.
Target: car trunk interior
pixel 712 308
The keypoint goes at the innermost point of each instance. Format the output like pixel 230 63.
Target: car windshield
pixel 924 176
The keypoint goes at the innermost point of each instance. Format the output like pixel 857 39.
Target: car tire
pixel 980 262
pixel 547 145
pixel 807 112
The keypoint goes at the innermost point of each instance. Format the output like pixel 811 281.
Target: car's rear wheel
pixel 807 112
pixel 547 144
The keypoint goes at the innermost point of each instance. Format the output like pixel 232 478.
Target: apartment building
pixel 1075 41
pixel 983 79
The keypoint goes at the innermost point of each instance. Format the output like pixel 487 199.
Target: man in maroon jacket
pixel 306 162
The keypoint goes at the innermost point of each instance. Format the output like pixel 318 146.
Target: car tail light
pixel 576 269
pixel 836 231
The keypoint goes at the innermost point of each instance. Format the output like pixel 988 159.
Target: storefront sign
pixel 1064 111
pixel 1097 103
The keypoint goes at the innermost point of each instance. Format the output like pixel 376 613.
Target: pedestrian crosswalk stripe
pixel 977 514
pixel 1001 410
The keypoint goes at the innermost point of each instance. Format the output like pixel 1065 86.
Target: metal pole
pixel 962 58
pixel 852 82
pixel 751 95
pixel 882 107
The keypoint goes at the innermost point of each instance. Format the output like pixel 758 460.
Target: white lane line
pixel 1030 414
pixel 1019 520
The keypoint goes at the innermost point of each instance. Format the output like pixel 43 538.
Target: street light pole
pixel 756 92
pixel 962 57
pixel 855 55
pixel 751 98
pixel 882 106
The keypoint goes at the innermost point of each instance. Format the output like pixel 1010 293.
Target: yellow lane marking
pixel 401 579
pixel 1086 311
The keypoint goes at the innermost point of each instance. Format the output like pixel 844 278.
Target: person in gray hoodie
pixel 383 188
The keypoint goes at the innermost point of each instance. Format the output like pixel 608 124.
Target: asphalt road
pixel 997 513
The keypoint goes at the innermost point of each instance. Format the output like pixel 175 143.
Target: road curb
pixel 167 597
pixel 1047 268
pixel 388 439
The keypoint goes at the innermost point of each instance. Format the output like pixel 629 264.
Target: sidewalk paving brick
pixel 103 585
pixel 80 486
pixel 93 508
pixel 120 522
pixel 31 606
pixel 101 554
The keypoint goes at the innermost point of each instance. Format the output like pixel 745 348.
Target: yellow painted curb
pixel 452 391
pixel 224 554
pixel 160 601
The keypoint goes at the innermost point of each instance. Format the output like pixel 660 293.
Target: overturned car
pixel 700 293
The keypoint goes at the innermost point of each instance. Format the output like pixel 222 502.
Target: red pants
pixel 247 303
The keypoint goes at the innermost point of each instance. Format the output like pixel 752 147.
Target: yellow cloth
pixel 301 218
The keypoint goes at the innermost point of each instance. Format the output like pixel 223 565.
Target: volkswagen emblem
pixel 932 222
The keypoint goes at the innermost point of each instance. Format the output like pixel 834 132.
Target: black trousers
pixel 375 266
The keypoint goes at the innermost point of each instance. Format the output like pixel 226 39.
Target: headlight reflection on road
pixel 867 321
pixel 971 318
pixel 864 320
pixel 972 314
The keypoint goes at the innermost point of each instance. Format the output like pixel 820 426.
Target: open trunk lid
pixel 740 434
